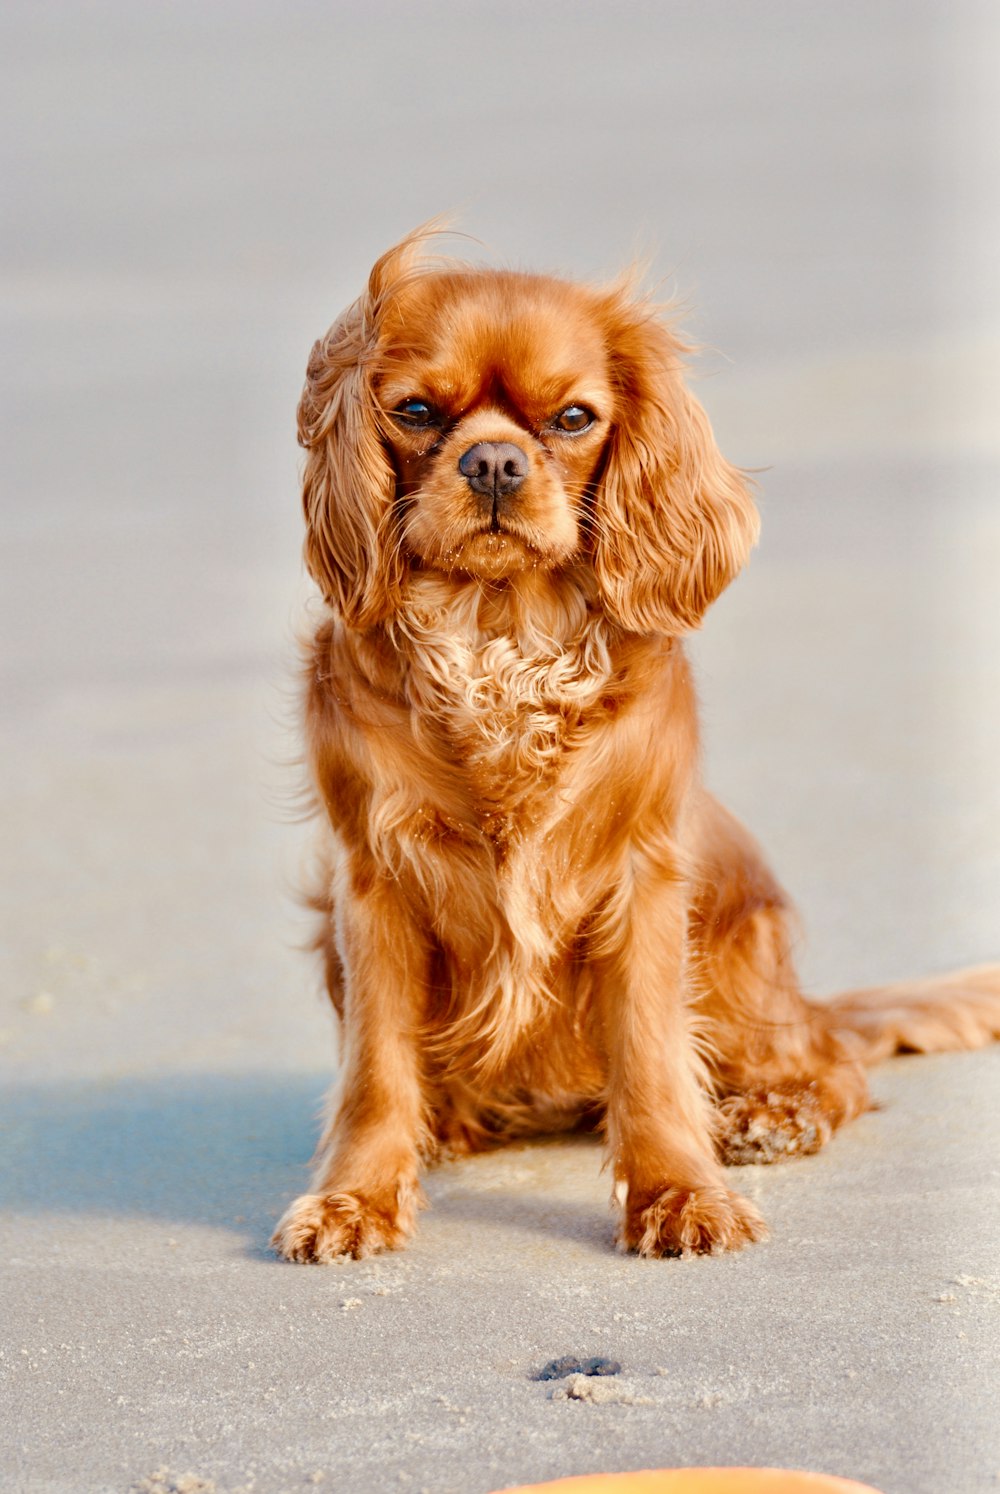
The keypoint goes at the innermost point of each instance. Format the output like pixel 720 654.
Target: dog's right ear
pixel 352 549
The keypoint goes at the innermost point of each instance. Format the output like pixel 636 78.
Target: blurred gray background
pixel 191 193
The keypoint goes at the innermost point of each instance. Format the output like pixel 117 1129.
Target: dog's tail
pixel 944 1014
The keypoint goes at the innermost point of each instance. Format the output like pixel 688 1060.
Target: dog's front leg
pixel 365 1190
pixel 671 1192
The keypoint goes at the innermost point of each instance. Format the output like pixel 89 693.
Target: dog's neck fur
pixel 506 673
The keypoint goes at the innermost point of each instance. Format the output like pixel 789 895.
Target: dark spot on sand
pixel 558 1369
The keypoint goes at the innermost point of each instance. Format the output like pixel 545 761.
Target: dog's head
pixel 486 424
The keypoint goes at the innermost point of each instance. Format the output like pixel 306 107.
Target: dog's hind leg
pixel 784 1078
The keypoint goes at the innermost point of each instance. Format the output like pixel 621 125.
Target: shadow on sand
pixel 200 1148
pixel 229 1151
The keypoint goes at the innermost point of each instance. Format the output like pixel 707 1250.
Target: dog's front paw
pixel 320 1227
pixel 690 1221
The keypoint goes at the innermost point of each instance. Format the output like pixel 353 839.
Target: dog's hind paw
pixel 771 1125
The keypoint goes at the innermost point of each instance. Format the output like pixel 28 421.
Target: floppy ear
pixel 352 547
pixel 673 520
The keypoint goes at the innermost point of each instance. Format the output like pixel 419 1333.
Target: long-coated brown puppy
pixel 533 914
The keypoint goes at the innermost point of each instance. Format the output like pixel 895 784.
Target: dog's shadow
pixel 229 1151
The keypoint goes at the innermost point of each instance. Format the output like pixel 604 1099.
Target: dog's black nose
pixel 494 468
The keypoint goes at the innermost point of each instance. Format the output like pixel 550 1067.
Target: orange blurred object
pixel 700 1481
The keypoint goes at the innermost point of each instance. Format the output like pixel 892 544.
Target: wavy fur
pixel 532 914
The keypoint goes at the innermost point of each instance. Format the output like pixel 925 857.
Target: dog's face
pixel 485 424
pixel 497 400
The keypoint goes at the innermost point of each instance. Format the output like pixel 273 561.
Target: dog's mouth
pixel 500 525
pixel 495 547
pixel 495 526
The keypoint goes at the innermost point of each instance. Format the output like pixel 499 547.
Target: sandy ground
pixel 192 192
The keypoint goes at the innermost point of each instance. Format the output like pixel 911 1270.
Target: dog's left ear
pixel 673 521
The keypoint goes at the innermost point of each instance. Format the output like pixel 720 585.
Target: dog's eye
pixel 416 412
pixel 573 420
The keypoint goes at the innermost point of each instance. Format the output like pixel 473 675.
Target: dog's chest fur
pixel 504 715
pixel 509 708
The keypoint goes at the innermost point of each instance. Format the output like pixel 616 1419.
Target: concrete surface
pixel 191 192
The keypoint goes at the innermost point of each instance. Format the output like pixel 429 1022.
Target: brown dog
pixel 533 914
